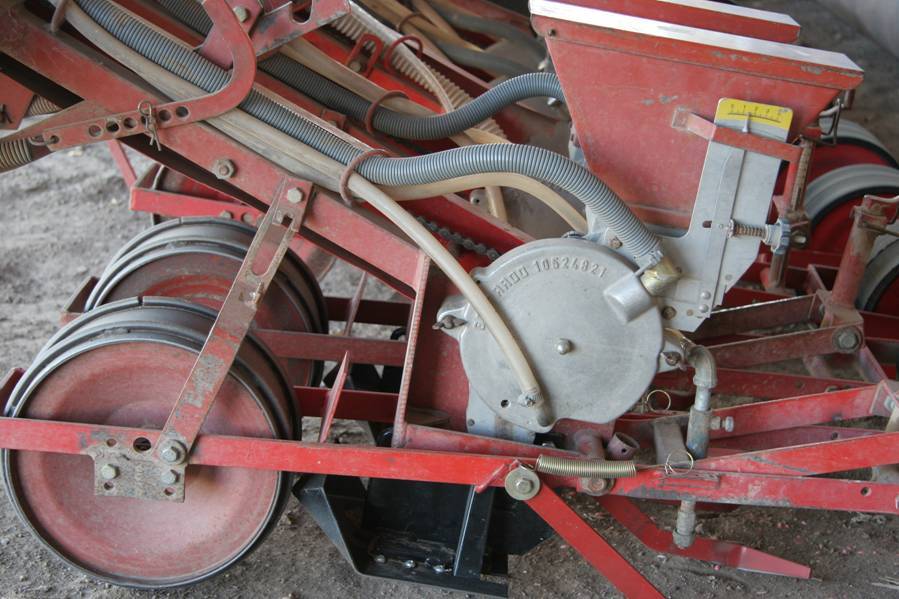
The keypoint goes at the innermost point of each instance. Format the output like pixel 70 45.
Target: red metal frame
pixel 770 457
pixel 713 17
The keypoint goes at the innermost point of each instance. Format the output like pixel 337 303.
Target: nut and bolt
pixel 438 568
pixel 672 358
pixel 668 312
pixel 727 423
pixel 169 477
pixel 380 559
pixel 615 243
pixel 448 323
pixel 563 346
pixel 241 13
pixel 596 486
pixel 295 195
pixel 409 564
pixel 226 214
pixel 522 483
pixel 108 472
pixel 223 168
pixel 523 486
pixel 173 453
pixel 847 339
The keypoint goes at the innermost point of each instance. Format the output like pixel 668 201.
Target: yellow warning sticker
pixel 730 109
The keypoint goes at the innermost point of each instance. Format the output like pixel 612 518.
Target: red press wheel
pixel 830 198
pixel 197 259
pixel 853 145
pixel 880 286
pixel 123 365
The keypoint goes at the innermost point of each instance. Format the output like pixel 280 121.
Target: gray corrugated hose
pixel 526 160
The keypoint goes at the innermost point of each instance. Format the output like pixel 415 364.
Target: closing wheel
pixel 830 198
pixel 197 259
pixel 879 290
pixel 854 145
pixel 123 365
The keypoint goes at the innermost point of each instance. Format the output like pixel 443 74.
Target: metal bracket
pixel 278 27
pixel 733 199
pixel 147 118
pixel 160 473
pixel 123 471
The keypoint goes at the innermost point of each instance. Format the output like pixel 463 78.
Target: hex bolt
pixel 173 452
pixel 729 424
pixel 668 312
pixel 169 477
pixel 108 471
pixel 595 486
pixel 672 358
pixel 563 346
pixel 223 168
pixel 524 486
pixel 241 13
pixel 847 339
pixel 295 195
pixel 380 559
pixel 615 243
pixel 409 564
pixel 438 568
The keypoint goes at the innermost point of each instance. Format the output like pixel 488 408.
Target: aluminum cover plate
pixel 550 292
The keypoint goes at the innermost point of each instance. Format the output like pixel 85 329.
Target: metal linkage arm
pixel 272 239
pixel 147 118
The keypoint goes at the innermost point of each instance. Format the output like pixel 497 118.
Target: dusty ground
pixel 64 217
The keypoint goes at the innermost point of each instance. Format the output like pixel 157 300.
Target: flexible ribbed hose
pixel 559 466
pixel 14 153
pixel 297 157
pixel 353 26
pixel 477 59
pixel 496 28
pixel 403 126
pixel 531 161
pixel 405 62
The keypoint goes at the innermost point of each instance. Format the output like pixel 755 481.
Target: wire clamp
pixel 351 168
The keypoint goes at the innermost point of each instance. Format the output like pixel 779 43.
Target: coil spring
pixel 750 230
pixel 14 153
pixel 352 28
pixel 559 466
pixel 41 105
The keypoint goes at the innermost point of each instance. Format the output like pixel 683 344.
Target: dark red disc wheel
pixel 829 201
pixel 197 259
pixel 852 144
pixel 124 365
pixel 879 290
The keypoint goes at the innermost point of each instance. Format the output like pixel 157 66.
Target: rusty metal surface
pixel 259 266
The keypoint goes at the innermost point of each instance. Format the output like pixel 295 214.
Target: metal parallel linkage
pixel 147 118
pixel 769 452
pixel 174 443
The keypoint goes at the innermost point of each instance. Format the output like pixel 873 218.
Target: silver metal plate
pixel 591 366
pixel 121 470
